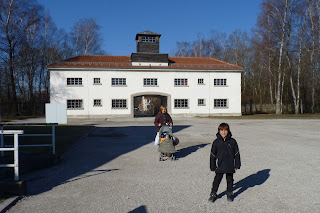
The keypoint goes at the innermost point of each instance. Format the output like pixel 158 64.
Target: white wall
pixel 60 92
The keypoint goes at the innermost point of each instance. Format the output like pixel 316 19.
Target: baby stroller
pixel 167 143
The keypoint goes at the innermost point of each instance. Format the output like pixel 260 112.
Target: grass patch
pixel 66 136
pixel 270 116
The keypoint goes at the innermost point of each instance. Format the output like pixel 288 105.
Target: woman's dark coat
pixel 162 118
pixel 225 155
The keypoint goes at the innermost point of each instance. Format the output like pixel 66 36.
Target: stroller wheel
pixel 161 157
pixel 173 157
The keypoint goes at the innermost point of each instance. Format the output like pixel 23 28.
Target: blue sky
pixel 176 20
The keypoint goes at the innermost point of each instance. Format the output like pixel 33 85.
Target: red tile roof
pixel 125 62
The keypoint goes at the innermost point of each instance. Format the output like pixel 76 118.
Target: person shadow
pixel 141 209
pixel 251 181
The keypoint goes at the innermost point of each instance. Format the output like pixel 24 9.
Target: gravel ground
pixel 116 169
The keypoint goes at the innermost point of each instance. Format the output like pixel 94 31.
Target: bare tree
pixel 276 19
pixel 217 45
pixel 183 49
pixel 86 38
pixel 281 58
pixel 311 13
pixel 318 50
pixel 16 16
pixel 54 47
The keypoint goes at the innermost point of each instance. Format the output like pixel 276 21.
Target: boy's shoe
pixel 230 197
pixel 213 197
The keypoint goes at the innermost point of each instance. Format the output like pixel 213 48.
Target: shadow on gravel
pixel 95 172
pixel 83 160
pixel 141 209
pixel 181 153
pixel 251 181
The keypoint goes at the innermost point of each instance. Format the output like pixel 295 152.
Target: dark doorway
pixel 148 105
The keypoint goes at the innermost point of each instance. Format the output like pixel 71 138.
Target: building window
pixel 148 39
pixel 119 103
pixel 181 103
pixel 97 103
pixel 74 81
pixel 150 82
pixel 200 81
pixel 181 82
pixel 118 81
pixel 220 82
pixel 201 102
pixel 75 104
pixel 220 103
pixel 96 81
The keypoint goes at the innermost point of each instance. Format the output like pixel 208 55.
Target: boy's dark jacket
pixel 225 155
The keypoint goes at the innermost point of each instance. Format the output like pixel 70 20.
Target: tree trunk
pixel 296 98
pixel 312 58
pixel 13 80
pixel 279 83
pixel 270 80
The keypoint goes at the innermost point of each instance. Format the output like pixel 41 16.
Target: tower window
pixel 148 39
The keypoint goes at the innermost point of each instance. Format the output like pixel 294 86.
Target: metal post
pixel 16 157
pixel 2 141
pixel 53 140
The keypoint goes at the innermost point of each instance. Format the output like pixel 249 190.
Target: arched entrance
pixel 148 104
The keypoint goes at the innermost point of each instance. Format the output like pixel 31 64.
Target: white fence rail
pixel 53 135
pixel 15 150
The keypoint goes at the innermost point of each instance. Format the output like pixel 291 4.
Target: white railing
pixel 15 150
pixel 53 135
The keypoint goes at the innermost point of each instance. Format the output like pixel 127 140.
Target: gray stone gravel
pixel 116 169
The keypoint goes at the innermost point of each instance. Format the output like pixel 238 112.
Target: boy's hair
pixel 224 126
pixel 163 107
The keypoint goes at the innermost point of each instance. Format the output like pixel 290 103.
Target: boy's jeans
pixel 217 180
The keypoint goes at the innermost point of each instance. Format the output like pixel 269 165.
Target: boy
pixel 224 159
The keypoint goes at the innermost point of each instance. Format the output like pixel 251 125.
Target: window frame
pixel 74 82
pixel 199 79
pixel 222 103
pixel 116 82
pixel 97 83
pixel 201 104
pixel 120 103
pixel 153 82
pixel 183 105
pixel 148 39
pixel 97 105
pixel 178 82
pixel 75 100
pixel 222 82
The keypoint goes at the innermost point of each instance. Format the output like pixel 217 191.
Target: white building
pixel 136 85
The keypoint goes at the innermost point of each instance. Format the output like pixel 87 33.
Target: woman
pixel 163 118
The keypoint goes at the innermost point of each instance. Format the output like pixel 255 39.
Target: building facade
pixel 136 85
